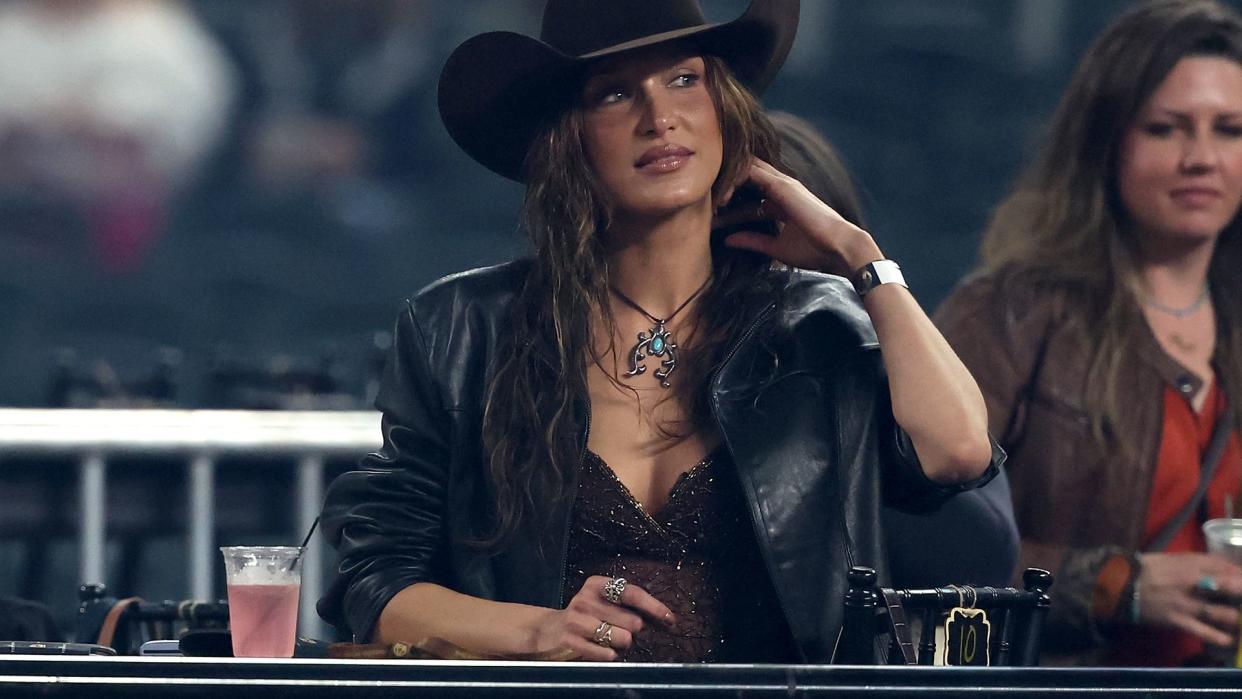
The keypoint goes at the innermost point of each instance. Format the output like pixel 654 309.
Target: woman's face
pixel 1180 167
pixel 651 132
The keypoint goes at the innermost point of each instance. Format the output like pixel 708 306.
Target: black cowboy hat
pixel 497 88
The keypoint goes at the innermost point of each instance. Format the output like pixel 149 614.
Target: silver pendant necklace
pixel 660 342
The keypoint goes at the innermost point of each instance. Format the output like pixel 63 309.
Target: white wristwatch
pixel 876 273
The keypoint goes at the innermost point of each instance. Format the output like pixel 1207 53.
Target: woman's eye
pixel 610 95
pixel 1230 130
pixel 603 98
pixel 1158 129
pixel 686 80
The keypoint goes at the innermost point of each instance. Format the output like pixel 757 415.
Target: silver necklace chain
pixel 1183 312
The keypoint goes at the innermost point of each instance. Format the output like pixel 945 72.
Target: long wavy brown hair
pixel 531 422
pixel 1064 227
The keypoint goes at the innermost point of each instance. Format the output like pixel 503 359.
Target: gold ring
pixel 602 635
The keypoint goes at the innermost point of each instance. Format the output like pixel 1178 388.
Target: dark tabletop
pixel 42 676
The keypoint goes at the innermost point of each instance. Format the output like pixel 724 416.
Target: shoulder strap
pixel 898 627
pixel 108 631
pixel 1211 459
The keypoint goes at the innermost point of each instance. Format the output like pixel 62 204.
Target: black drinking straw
pixel 305 541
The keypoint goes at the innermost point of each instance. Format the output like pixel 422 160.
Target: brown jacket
pixel 1075 504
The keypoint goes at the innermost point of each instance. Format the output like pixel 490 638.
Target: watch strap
pixel 873 274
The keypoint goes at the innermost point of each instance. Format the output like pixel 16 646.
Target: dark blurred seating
pixel 124 624
pixel 23 620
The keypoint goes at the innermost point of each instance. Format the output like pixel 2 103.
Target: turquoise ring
pixel 1207 583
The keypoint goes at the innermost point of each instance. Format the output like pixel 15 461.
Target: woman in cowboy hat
pixel 647 442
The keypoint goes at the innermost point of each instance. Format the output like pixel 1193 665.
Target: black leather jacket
pixel 802 404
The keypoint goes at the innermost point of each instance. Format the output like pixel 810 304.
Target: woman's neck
pixel 1175 273
pixel 659 263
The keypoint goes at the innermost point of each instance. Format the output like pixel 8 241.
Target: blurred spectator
pixel 336 96
pixel 109 106
pixel 23 620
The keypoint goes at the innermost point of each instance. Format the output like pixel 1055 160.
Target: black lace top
pixel 697 555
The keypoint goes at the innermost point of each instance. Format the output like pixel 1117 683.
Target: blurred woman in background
pixel 1105 329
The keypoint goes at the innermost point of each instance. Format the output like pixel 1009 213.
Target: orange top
pixel 1184 439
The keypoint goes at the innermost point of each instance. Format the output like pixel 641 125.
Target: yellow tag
pixel 967 638
pixel 1237 661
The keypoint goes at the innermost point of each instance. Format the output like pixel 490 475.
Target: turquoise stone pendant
pixel 659 343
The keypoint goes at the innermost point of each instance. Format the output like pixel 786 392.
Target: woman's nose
pixel 657 117
pixel 1199 152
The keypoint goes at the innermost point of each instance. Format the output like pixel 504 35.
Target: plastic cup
pixel 263 584
pixel 1224 537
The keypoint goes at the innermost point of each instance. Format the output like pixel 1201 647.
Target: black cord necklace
pixel 660 342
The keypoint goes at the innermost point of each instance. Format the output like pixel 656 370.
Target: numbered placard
pixel 967 638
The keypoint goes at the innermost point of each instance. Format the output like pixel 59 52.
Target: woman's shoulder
pixel 455 324
pixel 815 302
pixel 1014 306
pixel 486 288
pixel 1013 292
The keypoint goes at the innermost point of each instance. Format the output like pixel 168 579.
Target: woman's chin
pixel 1190 232
pixel 664 204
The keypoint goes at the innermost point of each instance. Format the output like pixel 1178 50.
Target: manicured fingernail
pixel 670 621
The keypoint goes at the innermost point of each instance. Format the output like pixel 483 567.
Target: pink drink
pixel 263 620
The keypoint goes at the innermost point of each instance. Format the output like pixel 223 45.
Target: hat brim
pixel 497 88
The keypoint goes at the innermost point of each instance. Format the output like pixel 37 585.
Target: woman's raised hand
pixel 811 234
pixel 592 627
pixel 1198 593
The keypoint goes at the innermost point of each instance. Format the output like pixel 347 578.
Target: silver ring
pixel 602 635
pixel 613 589
pixel 1204 612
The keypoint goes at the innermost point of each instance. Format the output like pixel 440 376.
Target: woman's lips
pixel 666 158
pixel 666 164
pixel 1195 197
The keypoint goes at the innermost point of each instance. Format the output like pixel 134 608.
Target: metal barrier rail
pixel 201 436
